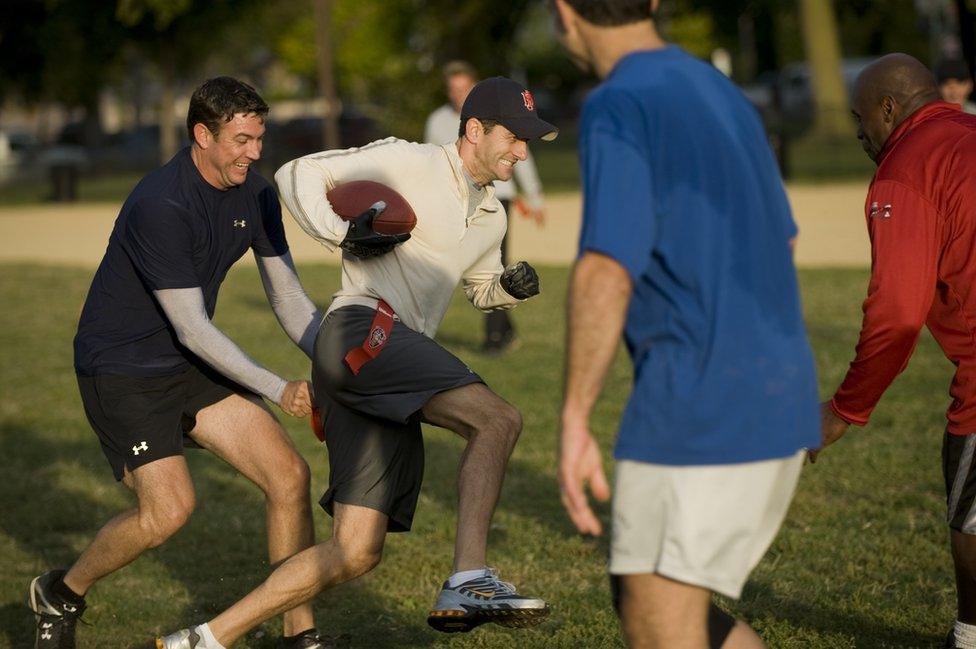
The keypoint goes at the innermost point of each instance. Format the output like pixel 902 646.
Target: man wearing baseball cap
pixel 373 408
pixel 511 105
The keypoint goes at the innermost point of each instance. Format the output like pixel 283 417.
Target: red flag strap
pixel 379 334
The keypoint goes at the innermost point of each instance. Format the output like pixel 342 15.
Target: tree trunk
pixel 822 43
pixel 323 38
pixel 168 139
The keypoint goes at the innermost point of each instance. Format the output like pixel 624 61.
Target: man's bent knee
pixel 159 523
pixel 290 481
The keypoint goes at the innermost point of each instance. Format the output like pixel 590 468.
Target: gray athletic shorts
pixel 372 419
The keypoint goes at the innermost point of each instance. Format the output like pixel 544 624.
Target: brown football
pixel 351 199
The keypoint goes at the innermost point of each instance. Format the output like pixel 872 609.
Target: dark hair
pixel 951 69
pixel 217 101
pixel 454 68
pixel 610 13
pixel 486 124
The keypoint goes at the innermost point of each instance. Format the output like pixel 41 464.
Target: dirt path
pixel 830 218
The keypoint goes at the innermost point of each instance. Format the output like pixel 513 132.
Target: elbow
pixel 188 337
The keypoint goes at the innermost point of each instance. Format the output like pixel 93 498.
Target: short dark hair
pixel 951 69
pixel 454 68
pixel 217 101
pixel 610 13
pixel 486 125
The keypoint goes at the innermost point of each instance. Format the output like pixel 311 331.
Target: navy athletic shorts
pixel 372 419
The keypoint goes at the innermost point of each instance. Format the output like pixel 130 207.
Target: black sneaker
pixel 950 641
pixel 56 618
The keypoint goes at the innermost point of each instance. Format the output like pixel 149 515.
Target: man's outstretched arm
pixel 296 313
pixel 186 311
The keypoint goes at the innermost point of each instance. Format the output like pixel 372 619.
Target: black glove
pixel 520 281
pixel 362 242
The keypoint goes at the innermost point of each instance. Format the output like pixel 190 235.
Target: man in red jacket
pixel 921 216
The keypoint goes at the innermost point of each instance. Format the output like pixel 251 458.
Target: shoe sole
pixel 455 621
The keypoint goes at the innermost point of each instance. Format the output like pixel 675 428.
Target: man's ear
pixel 566 16
pixel 473 130
pixel 888 109
pixel 202 136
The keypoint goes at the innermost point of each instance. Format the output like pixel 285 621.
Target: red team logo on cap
pixel 527 98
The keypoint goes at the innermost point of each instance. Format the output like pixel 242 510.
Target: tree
pixel 822 42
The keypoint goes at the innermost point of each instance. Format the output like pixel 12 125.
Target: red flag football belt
pixel 379 334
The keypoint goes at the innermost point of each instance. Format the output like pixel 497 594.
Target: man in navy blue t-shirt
pixel 154 372
pixel 686 251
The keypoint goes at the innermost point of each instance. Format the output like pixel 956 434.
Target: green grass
pixel 861 560
pixel 91 189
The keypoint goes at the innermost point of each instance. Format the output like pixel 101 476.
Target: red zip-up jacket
pixel 921 215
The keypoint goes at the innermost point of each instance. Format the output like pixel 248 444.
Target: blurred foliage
pixel 388 53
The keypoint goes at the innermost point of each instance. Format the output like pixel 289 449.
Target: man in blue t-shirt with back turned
pixel 686 251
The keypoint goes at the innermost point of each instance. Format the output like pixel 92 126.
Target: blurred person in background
pixel 956 83
pixel 442 127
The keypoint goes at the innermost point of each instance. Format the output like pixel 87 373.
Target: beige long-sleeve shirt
pixel 447 245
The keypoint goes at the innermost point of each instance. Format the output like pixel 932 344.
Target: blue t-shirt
pixel 680 187
pixel 175 230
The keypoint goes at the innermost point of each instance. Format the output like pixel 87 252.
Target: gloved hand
pixel 363 242
pixel 520 280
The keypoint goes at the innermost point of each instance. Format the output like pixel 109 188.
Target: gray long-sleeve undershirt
pixel 186 311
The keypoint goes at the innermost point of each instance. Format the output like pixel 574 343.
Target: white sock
pixel 459 578
pixel 965 635
pixel 209 641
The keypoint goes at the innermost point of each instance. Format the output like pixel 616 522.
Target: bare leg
pixel 166 500
pixel 249 438
pixel 660 613
pixel 492 427
pixel 355 548
pixel 964 558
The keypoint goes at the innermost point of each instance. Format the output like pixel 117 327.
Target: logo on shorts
pixel 528 100
pixel 142 446
pixel 880 211
pixel 377 337
pixel 240 224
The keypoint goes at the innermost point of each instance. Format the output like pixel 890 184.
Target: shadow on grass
pixel 218 557
pixel 758 599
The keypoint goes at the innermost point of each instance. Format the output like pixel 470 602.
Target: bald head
pixel 886 93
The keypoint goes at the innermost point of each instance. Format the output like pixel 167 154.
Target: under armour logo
pixel 142 446
pixel 47 630
pixel 240 224
pixel 880 211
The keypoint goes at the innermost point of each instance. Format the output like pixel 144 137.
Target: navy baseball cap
pixel 510 104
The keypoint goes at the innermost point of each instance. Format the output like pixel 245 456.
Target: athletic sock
pixel 965 635
pixel 63 592
pixel 459 578
pixel 209 641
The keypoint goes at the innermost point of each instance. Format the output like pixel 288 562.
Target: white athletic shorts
pixel 702 525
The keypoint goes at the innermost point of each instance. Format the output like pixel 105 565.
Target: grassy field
pixel 861 560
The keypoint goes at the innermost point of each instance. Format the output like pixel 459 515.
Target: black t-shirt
pixel 175 230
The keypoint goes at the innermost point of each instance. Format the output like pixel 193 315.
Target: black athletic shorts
pixel 142 419
pixel 959 473
pixel 372 419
